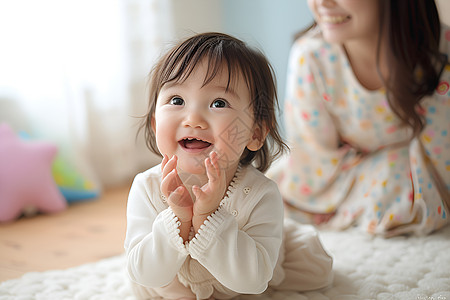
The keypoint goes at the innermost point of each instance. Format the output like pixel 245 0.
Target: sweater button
pixel 247 190
pixel 234 213
pixel 163 198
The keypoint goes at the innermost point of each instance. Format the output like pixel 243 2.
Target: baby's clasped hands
pixel 208 196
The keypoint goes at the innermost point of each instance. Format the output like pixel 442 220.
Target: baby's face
pixel 192 119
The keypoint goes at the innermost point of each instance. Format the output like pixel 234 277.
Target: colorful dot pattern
pixel 350 154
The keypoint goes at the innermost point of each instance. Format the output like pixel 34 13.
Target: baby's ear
pixel 258 138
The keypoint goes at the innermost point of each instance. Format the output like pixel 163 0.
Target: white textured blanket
pixel 365 268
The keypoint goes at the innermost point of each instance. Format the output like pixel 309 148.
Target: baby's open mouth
pixel 193 143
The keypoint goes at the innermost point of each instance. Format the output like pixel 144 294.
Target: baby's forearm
pixel 185 228
pixel 197 221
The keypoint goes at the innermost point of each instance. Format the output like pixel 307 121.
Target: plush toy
pixel 71 183
pixel 26 180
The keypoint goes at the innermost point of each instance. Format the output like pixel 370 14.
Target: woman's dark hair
pixel 222 52
pixel 415 63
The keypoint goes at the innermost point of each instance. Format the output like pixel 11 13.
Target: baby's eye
pixel 219 103
pixel 176 101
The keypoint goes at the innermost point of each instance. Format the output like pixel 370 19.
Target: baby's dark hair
pixel 223 51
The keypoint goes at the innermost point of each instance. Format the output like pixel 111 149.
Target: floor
pixel 85 232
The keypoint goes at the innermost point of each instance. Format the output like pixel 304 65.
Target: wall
pixel 270 26
pixel 444 11
pixel 196 16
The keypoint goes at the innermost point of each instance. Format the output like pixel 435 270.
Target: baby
pixel 206 223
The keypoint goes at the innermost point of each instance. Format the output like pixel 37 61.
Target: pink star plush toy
pixel 26 179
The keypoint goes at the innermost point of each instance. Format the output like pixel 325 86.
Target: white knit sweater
pixel 234 252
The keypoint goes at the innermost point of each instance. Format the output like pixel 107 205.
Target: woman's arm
pixel 316 150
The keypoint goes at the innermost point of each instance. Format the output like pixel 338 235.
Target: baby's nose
pixel 195 119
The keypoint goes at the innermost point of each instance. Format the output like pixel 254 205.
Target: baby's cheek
pixel 230 152
pixel 164 141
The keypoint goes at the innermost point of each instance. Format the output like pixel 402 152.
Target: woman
pixel 366 117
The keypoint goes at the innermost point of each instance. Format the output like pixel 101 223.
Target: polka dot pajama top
pixel 350 154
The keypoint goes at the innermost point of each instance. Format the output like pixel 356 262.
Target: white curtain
pixel 73 72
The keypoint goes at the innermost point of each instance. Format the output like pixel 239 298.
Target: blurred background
pixel 74 72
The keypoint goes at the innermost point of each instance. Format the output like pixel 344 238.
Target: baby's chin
pixel 191 172
pixel 191 166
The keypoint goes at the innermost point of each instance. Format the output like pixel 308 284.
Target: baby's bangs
pixel 229 62
pixel 218 54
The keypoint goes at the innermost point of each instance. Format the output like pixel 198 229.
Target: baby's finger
pixel 169 183
pixel 214 157
pixel 180 198
pixel 198 192
pixel 211 171
pixel 164 161
pixel 170 165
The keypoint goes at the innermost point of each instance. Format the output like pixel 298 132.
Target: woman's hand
pixel 208 196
